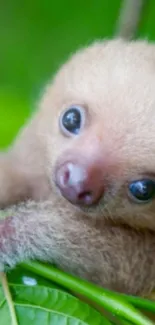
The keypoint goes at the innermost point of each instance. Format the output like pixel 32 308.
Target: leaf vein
pixel 49 310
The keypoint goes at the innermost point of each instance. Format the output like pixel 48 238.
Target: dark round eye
pixel 143 190
pixel 72 120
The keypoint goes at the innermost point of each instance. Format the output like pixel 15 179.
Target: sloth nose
pixel 80 184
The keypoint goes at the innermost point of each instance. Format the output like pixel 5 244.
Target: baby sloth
pixel 86 160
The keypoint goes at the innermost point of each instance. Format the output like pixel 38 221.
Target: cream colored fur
pixel 112 244
pixel 119 258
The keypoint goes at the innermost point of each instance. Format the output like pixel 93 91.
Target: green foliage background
pixel 36 37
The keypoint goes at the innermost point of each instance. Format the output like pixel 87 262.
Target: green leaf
pixel 115 303
pixel 39 302
pixel 53 303
pixel 21 276
pixel 7 310
pixel 5 317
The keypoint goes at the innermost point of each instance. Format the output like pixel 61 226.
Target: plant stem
pixel 8 298
pixel 138 302
pixel 116 305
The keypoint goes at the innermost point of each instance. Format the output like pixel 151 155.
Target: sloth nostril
pixel 66 177
pixel 86 196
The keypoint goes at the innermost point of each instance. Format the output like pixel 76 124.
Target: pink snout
pixel 80 184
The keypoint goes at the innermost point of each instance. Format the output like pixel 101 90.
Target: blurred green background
pixel 36 37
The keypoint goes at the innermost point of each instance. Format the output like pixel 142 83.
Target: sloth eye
pixel 72 120
pixel 143 190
